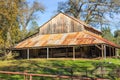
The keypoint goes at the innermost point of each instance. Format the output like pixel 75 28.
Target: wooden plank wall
pixel 61 24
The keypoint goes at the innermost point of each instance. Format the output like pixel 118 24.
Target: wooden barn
pixel 66 37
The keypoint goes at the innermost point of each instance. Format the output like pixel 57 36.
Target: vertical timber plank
pixel 47 53
pixel 104 51
pixel 28 55
pixel 73 53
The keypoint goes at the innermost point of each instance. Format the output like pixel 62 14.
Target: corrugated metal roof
pixel 64 39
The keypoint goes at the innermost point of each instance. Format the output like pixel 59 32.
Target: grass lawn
pixel 61 67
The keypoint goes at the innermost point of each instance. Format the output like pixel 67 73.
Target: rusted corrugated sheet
pixel 64 39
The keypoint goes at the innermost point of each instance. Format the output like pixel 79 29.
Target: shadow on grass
pixel 105 70
pixel 58 67
pixel 49 67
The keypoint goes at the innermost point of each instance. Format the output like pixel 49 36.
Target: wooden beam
pixel 98 47
pixel 73 53
pixel 47 53
pixel 40 75
pixel 28 55
pixel 105 51
pixel 116 51
pixel 102 50
pixel 30 77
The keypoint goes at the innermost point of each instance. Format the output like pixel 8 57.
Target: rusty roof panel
pixel 74 38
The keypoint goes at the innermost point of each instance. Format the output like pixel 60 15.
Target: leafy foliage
pixel 117 37
pixel 27 15
pixel 91 11
pixel 33 29
pixel 106 33
pixel 14 16
pixel 8 23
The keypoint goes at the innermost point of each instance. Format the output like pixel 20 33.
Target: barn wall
pixel 23 54
pixel 60 24
pixel 34 53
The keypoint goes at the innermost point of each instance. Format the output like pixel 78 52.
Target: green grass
pixel 61 67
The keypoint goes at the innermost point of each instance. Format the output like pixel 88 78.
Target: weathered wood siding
pixel 61 24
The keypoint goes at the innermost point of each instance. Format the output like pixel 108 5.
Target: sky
pixel 51 10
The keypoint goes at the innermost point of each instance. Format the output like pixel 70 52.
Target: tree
pixel 117 33
pixel 33 28
pixel 8 24
pixel 106 33
pixel 90 11
pixel 9 29
pixel 26 14
pixel 14 15
pixel 117 37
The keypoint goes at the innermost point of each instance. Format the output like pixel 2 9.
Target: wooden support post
pixel 47 53
pixel 104 51
pixel 117 51
pixel 25 76
pixel 28 55
pixel 73 53
pixel 98 47
pixel 30 77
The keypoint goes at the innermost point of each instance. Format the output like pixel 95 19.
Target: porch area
pixel 81 51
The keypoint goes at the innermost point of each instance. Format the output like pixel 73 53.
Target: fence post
pixel 25 76
pixel 30 77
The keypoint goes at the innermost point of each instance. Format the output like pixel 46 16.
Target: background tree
pixel 117 33
pixel 15 15
pixel 106 33
pixel 27 14
pixel 91 11
pixel 33 28
pixel 117 37
pixel 9 30
pixel 8 24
